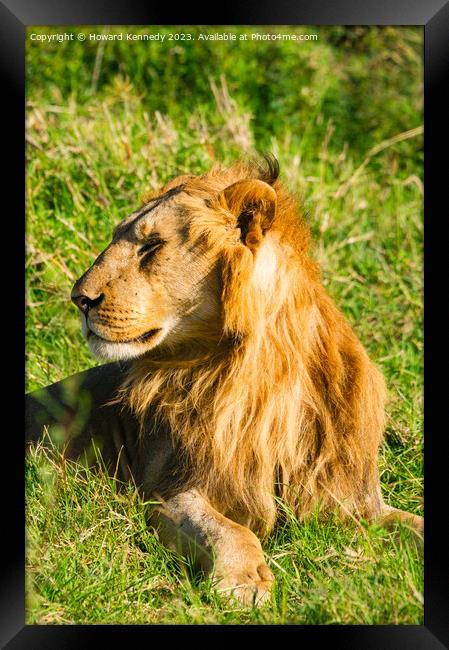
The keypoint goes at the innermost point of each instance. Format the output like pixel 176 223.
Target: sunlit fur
pixel 281 398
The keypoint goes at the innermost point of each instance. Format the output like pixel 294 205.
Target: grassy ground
pixel 106 123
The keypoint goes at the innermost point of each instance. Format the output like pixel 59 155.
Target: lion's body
pixel 257 380
pixel 295 408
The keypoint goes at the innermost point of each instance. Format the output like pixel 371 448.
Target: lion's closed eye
pixel 150 247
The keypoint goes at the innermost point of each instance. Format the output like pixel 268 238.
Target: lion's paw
pixel 251 585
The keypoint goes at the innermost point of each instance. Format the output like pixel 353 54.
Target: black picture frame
pixel 433 15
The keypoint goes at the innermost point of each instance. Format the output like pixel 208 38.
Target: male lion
pixel 236 379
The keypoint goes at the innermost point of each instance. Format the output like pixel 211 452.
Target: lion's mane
pixel 287 402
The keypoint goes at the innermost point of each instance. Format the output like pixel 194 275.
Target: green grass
pixel 104 126
pixel 93 559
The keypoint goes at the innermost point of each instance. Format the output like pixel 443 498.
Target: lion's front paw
pixel 250 585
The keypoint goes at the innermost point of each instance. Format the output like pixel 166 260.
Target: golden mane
pixel 286 401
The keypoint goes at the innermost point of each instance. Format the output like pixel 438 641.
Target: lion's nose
pixel 84 303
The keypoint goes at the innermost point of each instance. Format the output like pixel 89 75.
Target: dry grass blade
pixel 412 133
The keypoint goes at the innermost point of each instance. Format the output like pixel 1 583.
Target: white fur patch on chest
pixel 265 266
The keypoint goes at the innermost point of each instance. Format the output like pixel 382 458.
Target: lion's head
pixel 162 279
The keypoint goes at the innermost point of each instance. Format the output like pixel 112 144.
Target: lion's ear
pixel 253 203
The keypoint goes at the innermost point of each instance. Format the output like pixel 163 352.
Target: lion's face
pixel 149 286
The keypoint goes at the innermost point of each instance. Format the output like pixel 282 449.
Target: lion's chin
pixel 112 351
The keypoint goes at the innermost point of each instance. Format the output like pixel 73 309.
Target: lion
pixel 233 384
